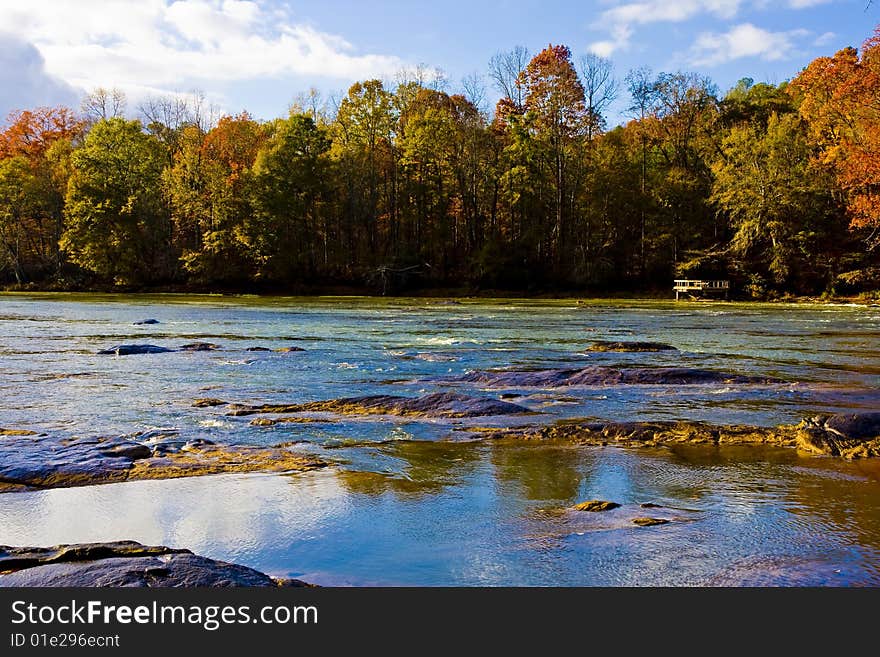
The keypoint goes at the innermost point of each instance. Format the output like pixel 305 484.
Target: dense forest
pixel 398 187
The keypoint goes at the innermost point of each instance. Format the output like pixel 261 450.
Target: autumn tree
pixel 555 111
pixel 34 151
pixel 841 104
pixel 32 132
pixel 210 189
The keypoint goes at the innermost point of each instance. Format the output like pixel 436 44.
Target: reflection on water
pixel 492 514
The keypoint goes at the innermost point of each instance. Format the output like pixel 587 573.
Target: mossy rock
pixel 17 432
pixel 208 402
pixel 650 522
pixel 595 506
pixel 635 347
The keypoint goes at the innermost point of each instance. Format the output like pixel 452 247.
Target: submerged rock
pixel 601 346
pixel 595 506
pixel 208 402
pixel 133 349
pixel 650 522
pixel 123 563
pixel 849 436
pixel 145 322
pixel 598 375
pixel 52 462
pixel 289 350
pixel 271 422
pixel 17 432
pixel 441 404
pixel 258 349
pixel 200 346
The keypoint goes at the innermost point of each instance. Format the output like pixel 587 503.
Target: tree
pixel 101 104
pixel 780 205
pixel 749 102
pixel 116 223
pixel 210 188
pixel 600 90
pixel 34 150
pixel 683 123
pixel 289 233
pixel 32 132
pixel 362 134
pixel 841 105
pixel 642 93
pixel 20 196
pixel 555 112
pixel 505 69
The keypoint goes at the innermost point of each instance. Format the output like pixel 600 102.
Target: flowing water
pixel 415 502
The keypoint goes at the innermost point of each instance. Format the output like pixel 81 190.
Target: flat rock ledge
pixel 40 461
pixel 849 436
pixel 438 405
pixel 124 564
pixel 600 375
pixel 634 347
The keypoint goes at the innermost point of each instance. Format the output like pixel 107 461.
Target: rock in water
pixel 650 522
pixel 855 426
pixel 144 322
pixel 595 506
pixel 851 435
pixel 123 563
pixel 133 349
pixel 289 350
pixel 441 404
pixel 17 432
pixel 601 345
pixel 598 375
pixel 208 402
pixel 53 462
pixel 199 346
pixel 848 435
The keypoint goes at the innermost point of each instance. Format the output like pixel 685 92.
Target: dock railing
pixel 696 287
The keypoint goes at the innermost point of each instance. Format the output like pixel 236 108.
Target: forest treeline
pixel 401 186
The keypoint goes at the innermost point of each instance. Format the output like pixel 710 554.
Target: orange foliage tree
pixel 841 103
pixel 32 132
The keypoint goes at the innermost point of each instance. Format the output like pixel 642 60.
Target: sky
pixel 258 55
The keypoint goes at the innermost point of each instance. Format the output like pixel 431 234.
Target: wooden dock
pixel 698 288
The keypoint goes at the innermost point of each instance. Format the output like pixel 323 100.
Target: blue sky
pixel 258 55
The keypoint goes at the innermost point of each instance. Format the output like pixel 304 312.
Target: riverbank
pixel 652 294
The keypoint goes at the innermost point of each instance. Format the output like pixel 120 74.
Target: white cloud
pixel 743 40
pixel 824 39
pixel 803 4
pixel 620 19
pixel 166 44
pixel 24 82
pixel 620 36
pixel 663 11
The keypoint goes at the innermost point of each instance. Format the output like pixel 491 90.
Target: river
pixel 416 501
